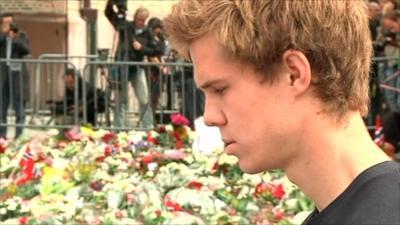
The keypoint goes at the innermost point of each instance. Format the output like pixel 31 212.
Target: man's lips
pixel 227 142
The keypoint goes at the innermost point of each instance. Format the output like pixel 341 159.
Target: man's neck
pixel 334 157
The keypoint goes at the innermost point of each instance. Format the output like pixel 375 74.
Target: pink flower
pixel 74 134
pixel 179 119
pixel 278 214
pixel 120 214
pixel 130 198
pixel 174 155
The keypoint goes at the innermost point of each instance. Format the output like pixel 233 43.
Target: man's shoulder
pixel 373 198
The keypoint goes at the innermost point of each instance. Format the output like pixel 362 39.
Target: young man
pixel 286 82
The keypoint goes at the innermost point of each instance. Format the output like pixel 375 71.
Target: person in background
pixel 154 72
pixel 286 82
pixel 71 107
pixel 391 133
pixel 14 44
pixel 133 46
pixel 391 23
pixel 388 5
pixel 375 15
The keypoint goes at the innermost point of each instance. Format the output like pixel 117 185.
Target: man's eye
pixel 219 90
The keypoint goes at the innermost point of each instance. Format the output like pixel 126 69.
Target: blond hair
pixel 333 34
pixel 141 11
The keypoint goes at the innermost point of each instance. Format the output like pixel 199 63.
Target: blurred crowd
pixel 384 24
pixel 142 39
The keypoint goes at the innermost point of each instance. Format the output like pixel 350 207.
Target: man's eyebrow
pixel 208 83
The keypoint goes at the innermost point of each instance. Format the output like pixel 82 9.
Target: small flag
pixel 379 137
pixel 29 171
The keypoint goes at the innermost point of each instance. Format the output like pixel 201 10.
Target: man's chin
pixel 249 168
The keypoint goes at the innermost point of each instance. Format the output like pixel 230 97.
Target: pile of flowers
pixel 84 176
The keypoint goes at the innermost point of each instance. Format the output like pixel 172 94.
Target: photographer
pixel 14 44
pixel 134 45
pixel 65 110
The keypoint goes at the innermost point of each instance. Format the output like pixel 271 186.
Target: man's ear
pixel 298 71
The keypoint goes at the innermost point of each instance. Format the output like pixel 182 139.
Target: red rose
pixel 107 138
pixel 162 129
pixel 152 140
pixel 195 185
pixel 171 204
pixel 278 191
pixel 3 145
pixel 23 220
pixel 147 159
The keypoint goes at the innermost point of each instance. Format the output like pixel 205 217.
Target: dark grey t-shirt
pixel 372 198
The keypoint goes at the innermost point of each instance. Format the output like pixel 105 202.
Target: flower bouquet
pixel 87 176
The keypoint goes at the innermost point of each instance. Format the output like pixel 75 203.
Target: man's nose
pixel 213 115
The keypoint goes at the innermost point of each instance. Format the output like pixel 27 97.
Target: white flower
pixel 25 207
pixel 300 217
pixel 3 211
pixel 59 163
pixel 114 198
pixel 169 128
pixel 182 218
pixel 152 166
pixel 9 221
pixel 291 203
pixel 254 179
pixel 11 204
pixel 4 161
pixel 53 132
pixel 227 159
pixel 102 175
pixel 123 167
pixel 154 134
pixel 128 221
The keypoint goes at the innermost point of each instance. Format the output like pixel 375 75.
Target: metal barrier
pixel 389 81
pixel 159 90
pixel 25 101
pixel 169 88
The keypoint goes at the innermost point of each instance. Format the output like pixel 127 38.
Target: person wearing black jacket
pixel 14 44
pixel 158 43
pixel 65 110
pixel 133 46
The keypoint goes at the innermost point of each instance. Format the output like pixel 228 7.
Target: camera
pixel 122 8
pixel 14 27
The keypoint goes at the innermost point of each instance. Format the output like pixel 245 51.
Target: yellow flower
pixel 87 131
pixel 12 188
pixel 50 172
